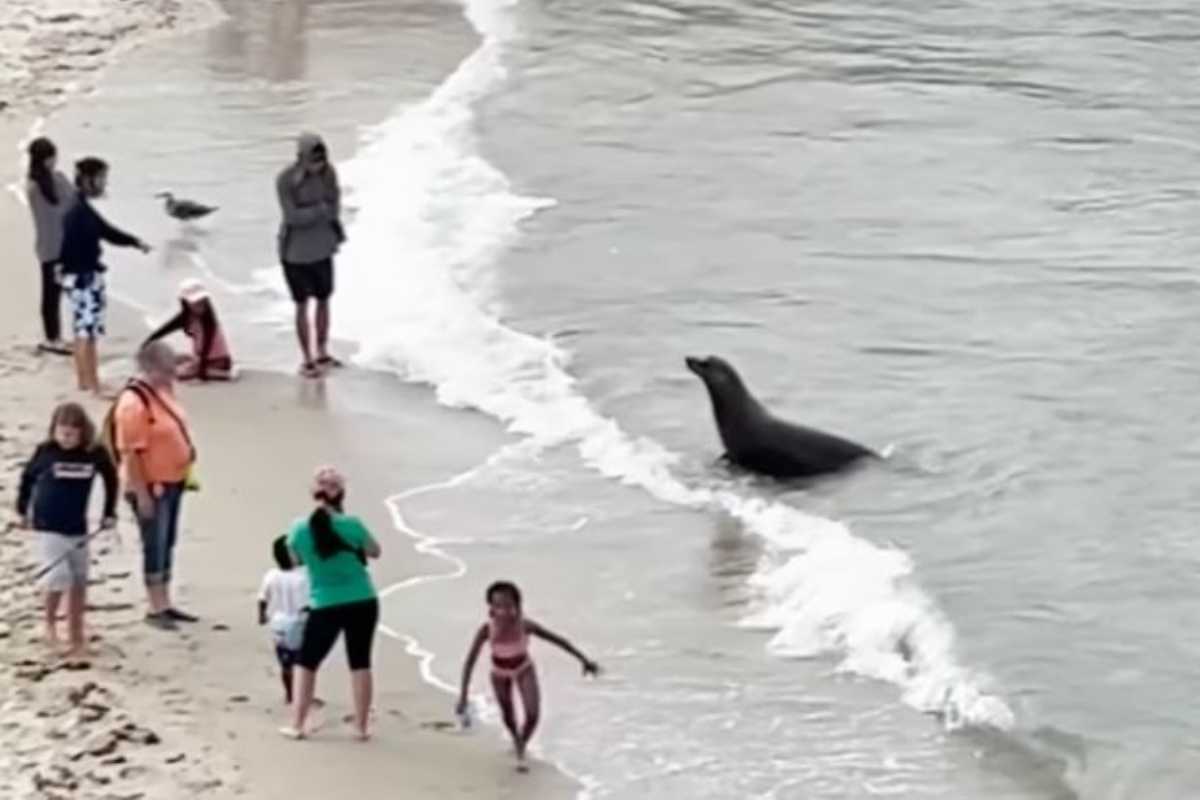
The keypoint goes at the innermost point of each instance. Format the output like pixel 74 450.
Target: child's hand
pixel 590 668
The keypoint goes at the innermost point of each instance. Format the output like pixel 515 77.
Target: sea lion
pixel 757 441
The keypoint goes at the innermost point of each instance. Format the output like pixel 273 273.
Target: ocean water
pixel 959 233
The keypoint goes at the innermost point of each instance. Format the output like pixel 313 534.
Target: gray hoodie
pixel 48 217
pixel 311 230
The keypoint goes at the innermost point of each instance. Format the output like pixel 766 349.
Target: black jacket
pixel 58 484
pixel 83 229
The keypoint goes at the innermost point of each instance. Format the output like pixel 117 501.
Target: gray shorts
pixel 72 556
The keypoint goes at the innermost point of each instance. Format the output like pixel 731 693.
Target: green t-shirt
pixel 342 578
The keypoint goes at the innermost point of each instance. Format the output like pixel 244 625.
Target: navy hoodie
pixel 58 484
pixel 83 230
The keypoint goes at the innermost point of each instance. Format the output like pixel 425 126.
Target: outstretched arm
pixel 469 666
pixel 589 667
pixel 114 235
pixel 175 323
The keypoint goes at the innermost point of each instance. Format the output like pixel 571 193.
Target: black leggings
pixel 51 297
pixel 356 620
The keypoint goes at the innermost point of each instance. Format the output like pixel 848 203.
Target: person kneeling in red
pixel 197 318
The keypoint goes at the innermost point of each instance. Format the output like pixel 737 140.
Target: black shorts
pixel 309 281
pixel 356 620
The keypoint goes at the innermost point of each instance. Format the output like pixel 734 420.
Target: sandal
pixel 330 362
pixel 309 370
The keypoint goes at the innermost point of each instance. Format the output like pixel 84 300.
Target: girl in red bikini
pixel 507 632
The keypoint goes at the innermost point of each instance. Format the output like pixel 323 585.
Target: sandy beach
pixel 163 715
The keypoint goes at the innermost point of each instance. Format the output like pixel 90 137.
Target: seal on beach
pixel 757 441
pixel 184 209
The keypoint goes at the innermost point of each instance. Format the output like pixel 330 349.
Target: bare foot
pixel 362 735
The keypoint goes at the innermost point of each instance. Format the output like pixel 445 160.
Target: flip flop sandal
pixel 309 370
pixel 329 361
pixel 54 349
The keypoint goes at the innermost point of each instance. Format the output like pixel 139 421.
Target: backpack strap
pixel 145 391
pixel 109 435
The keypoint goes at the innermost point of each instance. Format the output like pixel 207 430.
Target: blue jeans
pixel 159 533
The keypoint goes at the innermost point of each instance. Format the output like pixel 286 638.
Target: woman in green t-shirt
pixel 335 548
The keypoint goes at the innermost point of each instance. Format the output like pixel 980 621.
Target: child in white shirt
pixel 283 601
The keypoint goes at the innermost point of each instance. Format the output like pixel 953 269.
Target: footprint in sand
pixel 439 725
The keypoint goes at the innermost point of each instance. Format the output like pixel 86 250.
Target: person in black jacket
pixel 56 486
pixel 82 271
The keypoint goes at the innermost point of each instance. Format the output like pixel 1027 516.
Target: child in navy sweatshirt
pixel 53 500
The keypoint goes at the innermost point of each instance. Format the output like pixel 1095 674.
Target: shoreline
pixel 211 690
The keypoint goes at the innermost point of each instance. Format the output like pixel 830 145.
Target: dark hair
pixel 504 587
pixel 283 556
pixel 88 169
pixel 325 539
pixel 74 416
pixel 42 149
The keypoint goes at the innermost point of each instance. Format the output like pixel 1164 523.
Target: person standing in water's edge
pixel 309 235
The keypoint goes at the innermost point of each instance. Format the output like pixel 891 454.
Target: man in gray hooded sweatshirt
pixel 309 235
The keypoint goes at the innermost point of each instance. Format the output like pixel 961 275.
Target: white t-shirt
pixel 286 594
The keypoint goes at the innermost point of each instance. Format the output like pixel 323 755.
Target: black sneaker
pixel 180 616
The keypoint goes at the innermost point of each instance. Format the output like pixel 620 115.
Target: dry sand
pixel 123 727
pixel 171 715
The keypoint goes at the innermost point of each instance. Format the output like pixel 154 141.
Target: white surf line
pixel 428 545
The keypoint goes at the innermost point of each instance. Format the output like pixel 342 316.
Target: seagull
pixel 185 209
